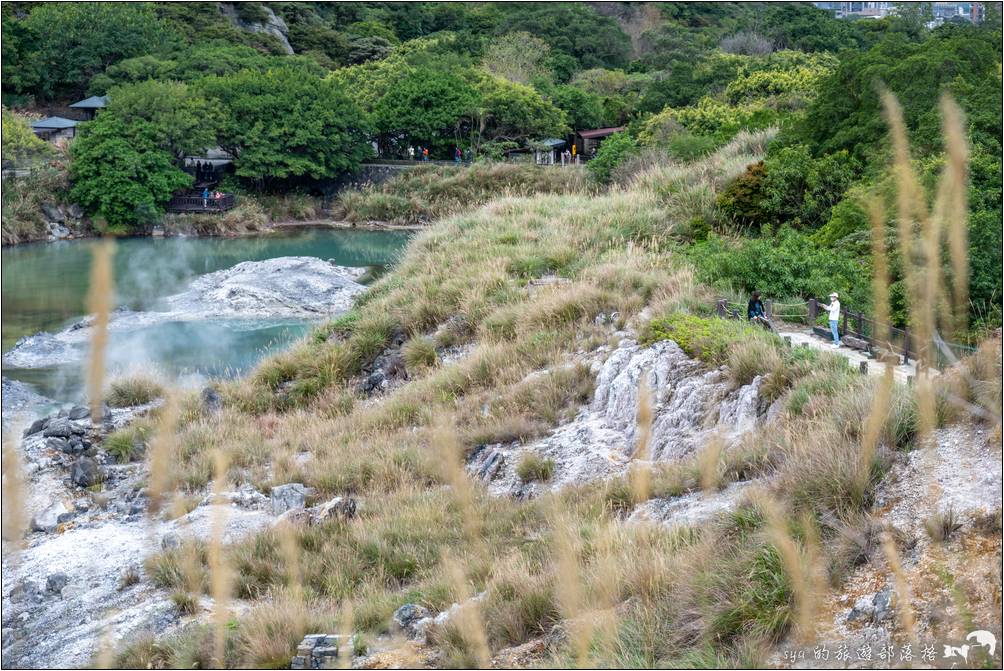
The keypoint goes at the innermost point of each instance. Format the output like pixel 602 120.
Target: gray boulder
pixel 58 231
pixel 85 472
pixel 289 497
pixel 211 400
pixel 53 213
pixel 56 582
pixel 883 605
pixel 75 211
pixel 36 426
pixel 873 608
pixel 62 427
pixel 58 444
pixel 408 616
pixel 340 507
pixel 79 412
pixel 26 591
pixel 48 519
pixel 170 541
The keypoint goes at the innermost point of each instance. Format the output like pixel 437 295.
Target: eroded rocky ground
pixel 76 580
pixel 952 486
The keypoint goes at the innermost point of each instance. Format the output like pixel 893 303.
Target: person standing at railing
pixel 834 310
pixel 219 200
pixel 205 197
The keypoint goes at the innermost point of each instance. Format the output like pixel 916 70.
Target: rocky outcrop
pixel 271 24
pixel 77 575
pixel 690 405
pixel 289 497
pixel 19 401
pixel 290 286
pixel 327 651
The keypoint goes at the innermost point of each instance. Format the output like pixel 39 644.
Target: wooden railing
pixel 200 204
pixel 871 334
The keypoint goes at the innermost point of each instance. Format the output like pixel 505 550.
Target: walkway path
pixel 802 336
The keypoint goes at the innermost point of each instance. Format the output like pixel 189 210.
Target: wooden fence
pixel 865 332
pixel 209 205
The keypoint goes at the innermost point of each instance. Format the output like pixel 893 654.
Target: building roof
pixel 94 102
pixel 599 132
pixel 552 142
pixel 53 123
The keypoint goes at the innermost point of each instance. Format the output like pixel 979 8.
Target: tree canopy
pixel 282 124
pixel 121 173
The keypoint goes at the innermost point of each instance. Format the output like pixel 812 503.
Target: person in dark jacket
pixel 754 309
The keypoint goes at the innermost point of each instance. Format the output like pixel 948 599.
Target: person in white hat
pixel 834 308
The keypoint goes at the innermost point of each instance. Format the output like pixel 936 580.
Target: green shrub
pixel 786 264
pixel 419 352
pixel 709 339
pixel 615 150
pixel 125 444
pixel 133 390
pixel 185 602
pixel 533 467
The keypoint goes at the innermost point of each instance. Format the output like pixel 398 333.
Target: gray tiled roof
pixel 54 122
pixel 94 102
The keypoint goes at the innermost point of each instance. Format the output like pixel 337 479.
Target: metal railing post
pixel 769 306
pixel 906 346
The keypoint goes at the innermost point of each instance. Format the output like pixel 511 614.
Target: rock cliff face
pixel 690 404
pixel 272 24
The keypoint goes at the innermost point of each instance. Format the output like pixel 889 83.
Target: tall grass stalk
pixel 346 628
pixel 14 515
pixel 162 451
pixel 641 469
pixel 99 303
pixel 954 195
pixel 802 574
pixel 290 550
pixel 904 597
pixel 468 619
pixel 219 571
pixel 571 598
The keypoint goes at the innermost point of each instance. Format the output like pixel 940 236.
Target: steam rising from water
pixel 221 325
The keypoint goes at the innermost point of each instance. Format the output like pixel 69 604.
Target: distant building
pixel 941 11
pixel 55 128
pixel 90 106
pixel 858 10
pixel 587 140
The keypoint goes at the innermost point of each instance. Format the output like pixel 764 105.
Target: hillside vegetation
pixel 427 193
pixel 621 594
pixel 298 92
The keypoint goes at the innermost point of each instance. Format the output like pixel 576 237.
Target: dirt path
pixel 804 337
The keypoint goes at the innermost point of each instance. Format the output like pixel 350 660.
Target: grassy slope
pixel 432 192
pixel 716 595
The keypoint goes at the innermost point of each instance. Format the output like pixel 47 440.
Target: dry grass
pixel 133 390
pixel 719 594
pixel 533 467
pixel 424 193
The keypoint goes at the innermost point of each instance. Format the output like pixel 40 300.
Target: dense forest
pixel 302 92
